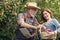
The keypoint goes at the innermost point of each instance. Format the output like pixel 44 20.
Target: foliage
pixel 10 8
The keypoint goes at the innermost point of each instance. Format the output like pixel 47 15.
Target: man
pixel 27 20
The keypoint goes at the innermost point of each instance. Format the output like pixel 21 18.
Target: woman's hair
pixel 46 9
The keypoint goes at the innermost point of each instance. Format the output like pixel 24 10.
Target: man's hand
pixel 29 36
pixel 39 26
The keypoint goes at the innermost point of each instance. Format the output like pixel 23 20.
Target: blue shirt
pixel 53 25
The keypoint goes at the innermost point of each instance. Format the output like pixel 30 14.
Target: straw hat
pixel 31 5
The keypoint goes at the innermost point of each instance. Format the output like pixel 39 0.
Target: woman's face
pixel 46 15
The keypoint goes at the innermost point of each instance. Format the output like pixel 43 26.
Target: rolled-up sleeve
pixel 57 24
pixel 21 17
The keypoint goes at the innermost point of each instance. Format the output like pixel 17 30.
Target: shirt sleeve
pixel 21 17
pixel 57 24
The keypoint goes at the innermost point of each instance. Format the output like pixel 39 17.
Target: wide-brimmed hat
pixel 31 5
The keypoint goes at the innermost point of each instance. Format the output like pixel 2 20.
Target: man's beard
pixel 32 14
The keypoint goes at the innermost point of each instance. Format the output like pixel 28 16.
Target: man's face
pixel 32 12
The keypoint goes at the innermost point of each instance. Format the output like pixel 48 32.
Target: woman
pixel 49 22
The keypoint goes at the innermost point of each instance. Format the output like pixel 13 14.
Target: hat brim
pixel 32 7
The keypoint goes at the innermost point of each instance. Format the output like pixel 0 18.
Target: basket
pixel 44 35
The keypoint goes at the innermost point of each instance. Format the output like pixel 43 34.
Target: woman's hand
pixel 53 32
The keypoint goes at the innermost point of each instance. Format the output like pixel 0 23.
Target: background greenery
pixel 10 8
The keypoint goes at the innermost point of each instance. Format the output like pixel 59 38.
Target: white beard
pixel 31 14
